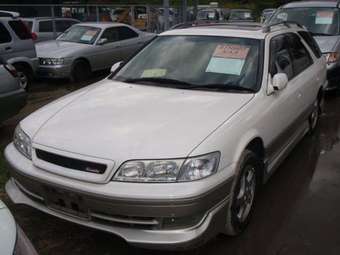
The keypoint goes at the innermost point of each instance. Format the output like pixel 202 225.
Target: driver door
pixel 109 51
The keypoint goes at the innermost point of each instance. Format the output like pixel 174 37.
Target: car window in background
pixel 200 61
pixel 20 29
pixel 46 26
pixel 63 25
pixel 80 34
pixel 280 59
pixel 311 43
pixel 319 21
pixel 5 36
pixel 29 24
pixel 300 56
pixel 126 33
pixel 241 15
pixel 110 34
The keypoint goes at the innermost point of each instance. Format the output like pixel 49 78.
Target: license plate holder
pixel 66 202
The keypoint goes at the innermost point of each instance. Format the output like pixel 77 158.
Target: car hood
pixel 7 231
pixel 116 120
pixel 57 49
pixel 327 43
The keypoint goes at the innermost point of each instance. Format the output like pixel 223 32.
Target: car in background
pixel 240 15
pixel 42 27
pixel 13 240
pixel 12 95
pixel 88 47
pixel 17 48
pixel 266 14
pixel 322 19
pixel 172 148
pixel 210 14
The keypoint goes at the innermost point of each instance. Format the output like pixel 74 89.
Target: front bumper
pixel 56 72
pixel 11 103
pixel 151 223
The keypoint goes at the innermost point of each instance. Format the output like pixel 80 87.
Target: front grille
pixel 71 163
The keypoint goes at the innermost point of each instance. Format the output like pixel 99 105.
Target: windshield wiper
pixel 220 87
pixel 320 34
pixel 161 81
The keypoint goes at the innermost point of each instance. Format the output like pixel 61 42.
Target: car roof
pixel 311 4
pixel 241 10
pixel 101 24
pixel 243 30
pixel 48 18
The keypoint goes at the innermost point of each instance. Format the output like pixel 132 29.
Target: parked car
pixel 172 148
pixel 237 15
pixel 42 27
pixel 88 47
pixel 12 95
pixel 13 240
pixel 321 18
pixel 266 14
pixel 17 48
pixel 210 14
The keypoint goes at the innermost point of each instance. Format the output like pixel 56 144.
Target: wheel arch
pixel 82 59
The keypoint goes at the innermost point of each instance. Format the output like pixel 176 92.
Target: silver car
pixel 12 96
pixel 17 48
pixel 88 47
pixel 321 18
pixel 42 27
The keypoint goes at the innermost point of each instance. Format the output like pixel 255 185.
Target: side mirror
pixel 116 67
pixel 102 41
pixel 280 81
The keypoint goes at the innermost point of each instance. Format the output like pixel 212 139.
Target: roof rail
pixel 9 14
pixel 288 24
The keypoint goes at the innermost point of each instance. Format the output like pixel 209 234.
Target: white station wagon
pixel 171 148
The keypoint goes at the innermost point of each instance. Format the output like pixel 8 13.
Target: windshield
pixel 241 15
pixel 196 62
pixel 80 34
pixel 319 21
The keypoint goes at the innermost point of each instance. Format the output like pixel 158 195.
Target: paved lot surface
pixel 298 211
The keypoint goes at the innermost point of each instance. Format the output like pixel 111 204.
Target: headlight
pixel 22 142
pixel 175 170
pixel 332 57
pixel 51 61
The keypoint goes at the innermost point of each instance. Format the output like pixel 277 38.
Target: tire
pixel 25 75
pixel 81 71
pixel 314 117
pixel 243 194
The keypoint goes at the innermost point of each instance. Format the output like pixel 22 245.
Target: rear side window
pixel 20 29
pixel 45 26
pixel 5 36
pixel 126 33
pixel 311 43
pixel 300 55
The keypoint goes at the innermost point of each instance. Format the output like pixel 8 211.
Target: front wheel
pixel 243 194
pixel 81 71
pixel 25 76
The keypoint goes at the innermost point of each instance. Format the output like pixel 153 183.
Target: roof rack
pixel 288 24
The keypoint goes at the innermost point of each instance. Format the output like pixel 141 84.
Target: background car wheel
pixel 81 71
pixel 243 194
pixel 315 116
pixel 25 75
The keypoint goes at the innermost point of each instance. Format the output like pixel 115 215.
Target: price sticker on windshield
pixel 232 51
pixel 324 18
pixel 228 59
pixel 88 36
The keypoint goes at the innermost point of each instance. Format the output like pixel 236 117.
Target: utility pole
pixel 166 14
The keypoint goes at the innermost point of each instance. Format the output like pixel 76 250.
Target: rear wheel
pixel 81 71
pixel 243 194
